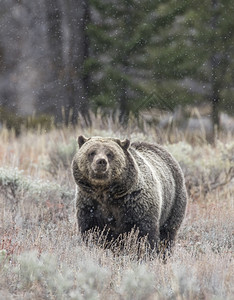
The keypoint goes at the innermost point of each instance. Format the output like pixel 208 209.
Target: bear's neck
pixel 128 181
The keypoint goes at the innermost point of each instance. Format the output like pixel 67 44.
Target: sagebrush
pixel 42 255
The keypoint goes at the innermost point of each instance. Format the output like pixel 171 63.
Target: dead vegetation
pixel 42 255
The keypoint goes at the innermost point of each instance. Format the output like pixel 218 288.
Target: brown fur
pixel 121 187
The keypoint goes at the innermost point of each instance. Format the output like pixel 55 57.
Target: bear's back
pixel 154 155
pixel 157 156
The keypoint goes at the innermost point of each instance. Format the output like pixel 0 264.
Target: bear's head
pixel 100 161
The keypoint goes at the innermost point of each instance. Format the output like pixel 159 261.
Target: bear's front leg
pixel 90 217
pixel 146 228
pixel 86 215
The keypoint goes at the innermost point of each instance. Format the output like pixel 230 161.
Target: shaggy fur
pixel 121 187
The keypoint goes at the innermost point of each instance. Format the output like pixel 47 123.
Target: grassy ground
pixel 41 252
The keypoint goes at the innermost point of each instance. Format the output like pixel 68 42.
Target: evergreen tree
pixel 198 47
pixel 206 48
pixel 171 58
pixel 55 35
pixel 213 23
pixel 121 33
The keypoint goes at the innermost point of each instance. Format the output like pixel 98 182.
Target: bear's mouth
pixel 100 169
pixel 100 174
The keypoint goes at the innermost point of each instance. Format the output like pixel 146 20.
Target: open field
pixel 41 252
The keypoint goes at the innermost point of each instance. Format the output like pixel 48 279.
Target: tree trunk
pixel 215 98
pixel 123 105
pixel 123 101
pixel 54 19
pixel 215 90
pixel 78 82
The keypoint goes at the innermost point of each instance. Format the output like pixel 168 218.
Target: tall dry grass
pixel 42 255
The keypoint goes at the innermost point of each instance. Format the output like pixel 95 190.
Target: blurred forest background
pixel 121 58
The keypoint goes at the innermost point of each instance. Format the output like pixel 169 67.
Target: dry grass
pixel 41 252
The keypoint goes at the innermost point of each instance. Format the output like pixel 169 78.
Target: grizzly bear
pixel 122 186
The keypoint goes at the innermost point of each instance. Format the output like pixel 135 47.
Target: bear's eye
pixel 110 155
pixel 91 154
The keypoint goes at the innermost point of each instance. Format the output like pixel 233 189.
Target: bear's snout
pixel 100 164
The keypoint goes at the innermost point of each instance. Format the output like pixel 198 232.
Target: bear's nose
pixel 101 162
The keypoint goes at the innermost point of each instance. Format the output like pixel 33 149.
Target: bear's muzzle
pixel 100 165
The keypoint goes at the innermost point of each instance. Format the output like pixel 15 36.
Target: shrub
pixel 43 275
pixel 60 157
pixel 137 283
pixel 32 200
pixel 14 184
pixel 206 171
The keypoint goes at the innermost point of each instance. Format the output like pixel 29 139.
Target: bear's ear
pixel 124 144
pixel 81 140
